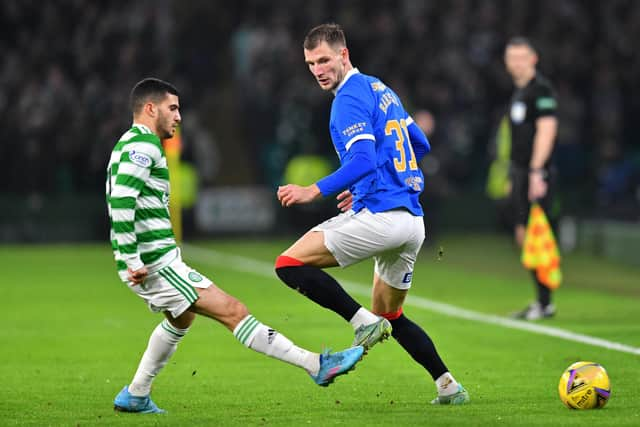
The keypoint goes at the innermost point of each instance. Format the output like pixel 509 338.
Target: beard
pixel 165 133
pixel 339 78
pixel 164 128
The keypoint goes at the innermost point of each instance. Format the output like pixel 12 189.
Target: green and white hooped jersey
pixel 137 191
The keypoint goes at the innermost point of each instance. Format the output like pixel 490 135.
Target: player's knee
pixel 237 309
pixel 284 261
pixel 184 321
pixel 233 313
pixel 287 269
pixel 222 307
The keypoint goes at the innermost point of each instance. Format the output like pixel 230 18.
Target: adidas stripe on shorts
pixel 171 288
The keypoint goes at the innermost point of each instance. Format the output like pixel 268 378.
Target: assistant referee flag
pixel 540 251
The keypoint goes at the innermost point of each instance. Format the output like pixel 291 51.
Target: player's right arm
pixel 356 135
pixel 133 171
pixel 359 161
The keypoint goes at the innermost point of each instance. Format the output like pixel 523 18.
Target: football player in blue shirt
pixel 378 186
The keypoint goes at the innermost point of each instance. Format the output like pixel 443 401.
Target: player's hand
pixel 292 194
pixel 137 277
pixel 345 200
pixel 537 186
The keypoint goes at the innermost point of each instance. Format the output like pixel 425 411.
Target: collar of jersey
pixel 349 74
pixel 143 128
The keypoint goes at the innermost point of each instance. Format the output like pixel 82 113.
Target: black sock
pixel 320 288
pixel 544 293
pixel 418 344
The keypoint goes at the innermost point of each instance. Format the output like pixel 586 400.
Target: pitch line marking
pixel 261 268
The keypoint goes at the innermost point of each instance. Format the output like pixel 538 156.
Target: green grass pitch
pixel 72 335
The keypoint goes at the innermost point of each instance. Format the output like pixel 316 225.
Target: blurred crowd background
pixel 250 105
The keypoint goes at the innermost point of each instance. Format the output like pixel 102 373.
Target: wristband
pixel 540 171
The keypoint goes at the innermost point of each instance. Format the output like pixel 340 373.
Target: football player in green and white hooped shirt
pixel 150 263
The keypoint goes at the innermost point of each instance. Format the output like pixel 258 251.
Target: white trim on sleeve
pixel 358 138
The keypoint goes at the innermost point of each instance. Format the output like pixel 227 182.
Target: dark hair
pixel 330 33
pixel 521 41
pixel 149 89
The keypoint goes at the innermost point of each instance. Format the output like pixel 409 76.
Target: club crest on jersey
pixel 378 86
pixel 518 112
pixel 139 159
pixel 195 277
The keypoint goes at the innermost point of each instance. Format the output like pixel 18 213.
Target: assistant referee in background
pixel 534 126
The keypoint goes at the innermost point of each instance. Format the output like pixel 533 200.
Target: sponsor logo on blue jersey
pixel 354 129
pixel 415 182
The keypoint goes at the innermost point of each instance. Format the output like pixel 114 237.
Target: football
pixel 584 385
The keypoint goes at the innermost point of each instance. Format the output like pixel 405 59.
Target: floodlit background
pixel 250 107
pixel 253 118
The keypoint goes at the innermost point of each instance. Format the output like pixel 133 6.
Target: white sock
pixel 261 338
pixel 162 344
pixel 446 384
pixel 363 317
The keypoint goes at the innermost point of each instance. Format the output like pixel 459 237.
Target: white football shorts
pixel 393 239
pixel 172 288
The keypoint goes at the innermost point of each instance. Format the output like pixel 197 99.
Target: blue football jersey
pixel 366 111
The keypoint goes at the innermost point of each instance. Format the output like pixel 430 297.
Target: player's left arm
pixel 345 200
pixel 133 172
pixel 418 139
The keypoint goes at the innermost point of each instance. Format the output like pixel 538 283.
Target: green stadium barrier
pixel 46 218
pixel 615 240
